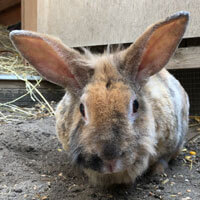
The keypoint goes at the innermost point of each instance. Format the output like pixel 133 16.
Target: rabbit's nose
pixel 110 151
pixel 111 165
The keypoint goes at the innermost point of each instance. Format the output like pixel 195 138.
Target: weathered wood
pixel 4 4
pixel 29 15
pixel 87 23
pixel 185 58
pixel 11 90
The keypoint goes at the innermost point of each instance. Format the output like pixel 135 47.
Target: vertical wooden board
pixel 98 22
pixel 29 15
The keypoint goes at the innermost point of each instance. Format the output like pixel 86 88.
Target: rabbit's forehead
pixel 108 92
pixel 99 98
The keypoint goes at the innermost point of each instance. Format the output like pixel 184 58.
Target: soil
pixel 34 166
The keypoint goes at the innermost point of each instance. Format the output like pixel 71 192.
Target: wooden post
pixel 29 15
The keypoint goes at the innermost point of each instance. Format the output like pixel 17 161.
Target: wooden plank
pixel 10 90
pixel 11 15
pixel 185 58
pixel 99 22
pixel 4 4
pixel 21 84
pixel 29 15
pixel 8 95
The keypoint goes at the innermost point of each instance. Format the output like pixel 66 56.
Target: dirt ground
pixel 34 166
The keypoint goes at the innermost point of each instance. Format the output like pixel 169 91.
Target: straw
pixel 12 63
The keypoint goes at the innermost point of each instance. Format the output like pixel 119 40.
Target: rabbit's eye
pixel 82 109
pixel 135 106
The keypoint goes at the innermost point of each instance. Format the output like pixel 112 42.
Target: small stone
pixel 75 188
pixel 172 183
pixel 165 175
pixel 173 195
pixel 46 134
pixel 9 174
pixel 157 196
pixel 158 190
pixel 188 158
pixel 186 198
pixel 45 198
pixel 18 123
pixel 29 149
pixel 165 181
pixel 59 150
pixel 161 187
pixel 184 150
pixel 93 195
pixel 18 190
pixel 60 174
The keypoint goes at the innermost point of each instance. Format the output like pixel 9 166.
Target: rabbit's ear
pixel 151 52
pixel 52 59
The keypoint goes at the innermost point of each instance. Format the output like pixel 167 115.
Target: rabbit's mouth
pixel 94 162
pixel 112 166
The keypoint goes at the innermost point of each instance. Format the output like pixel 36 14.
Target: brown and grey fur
pixel 107 85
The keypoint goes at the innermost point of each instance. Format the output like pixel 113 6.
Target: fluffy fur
pixel 157 134
pixel 98 121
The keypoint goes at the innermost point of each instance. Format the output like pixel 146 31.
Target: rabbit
pixel 122 113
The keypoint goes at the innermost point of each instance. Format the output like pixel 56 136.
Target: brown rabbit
pixel 122 112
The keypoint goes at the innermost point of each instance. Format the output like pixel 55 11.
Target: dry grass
pixel 10 60
pixel 12 63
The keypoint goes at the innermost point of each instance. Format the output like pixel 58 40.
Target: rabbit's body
pixel 122 112
pixel 159 139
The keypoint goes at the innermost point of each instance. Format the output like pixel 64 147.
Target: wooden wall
pixel 98 22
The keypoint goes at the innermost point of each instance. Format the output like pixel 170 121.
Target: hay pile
pixel 12 63
pixel 10 60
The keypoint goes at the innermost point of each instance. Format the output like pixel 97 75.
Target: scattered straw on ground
pixel 12 63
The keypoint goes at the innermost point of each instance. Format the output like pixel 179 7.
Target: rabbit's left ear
pixel 151 51
pixel 53 60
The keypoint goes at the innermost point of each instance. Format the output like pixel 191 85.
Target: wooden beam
pixel 13 89
pixel 185 58
pixel 5 4
pixel 29 15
